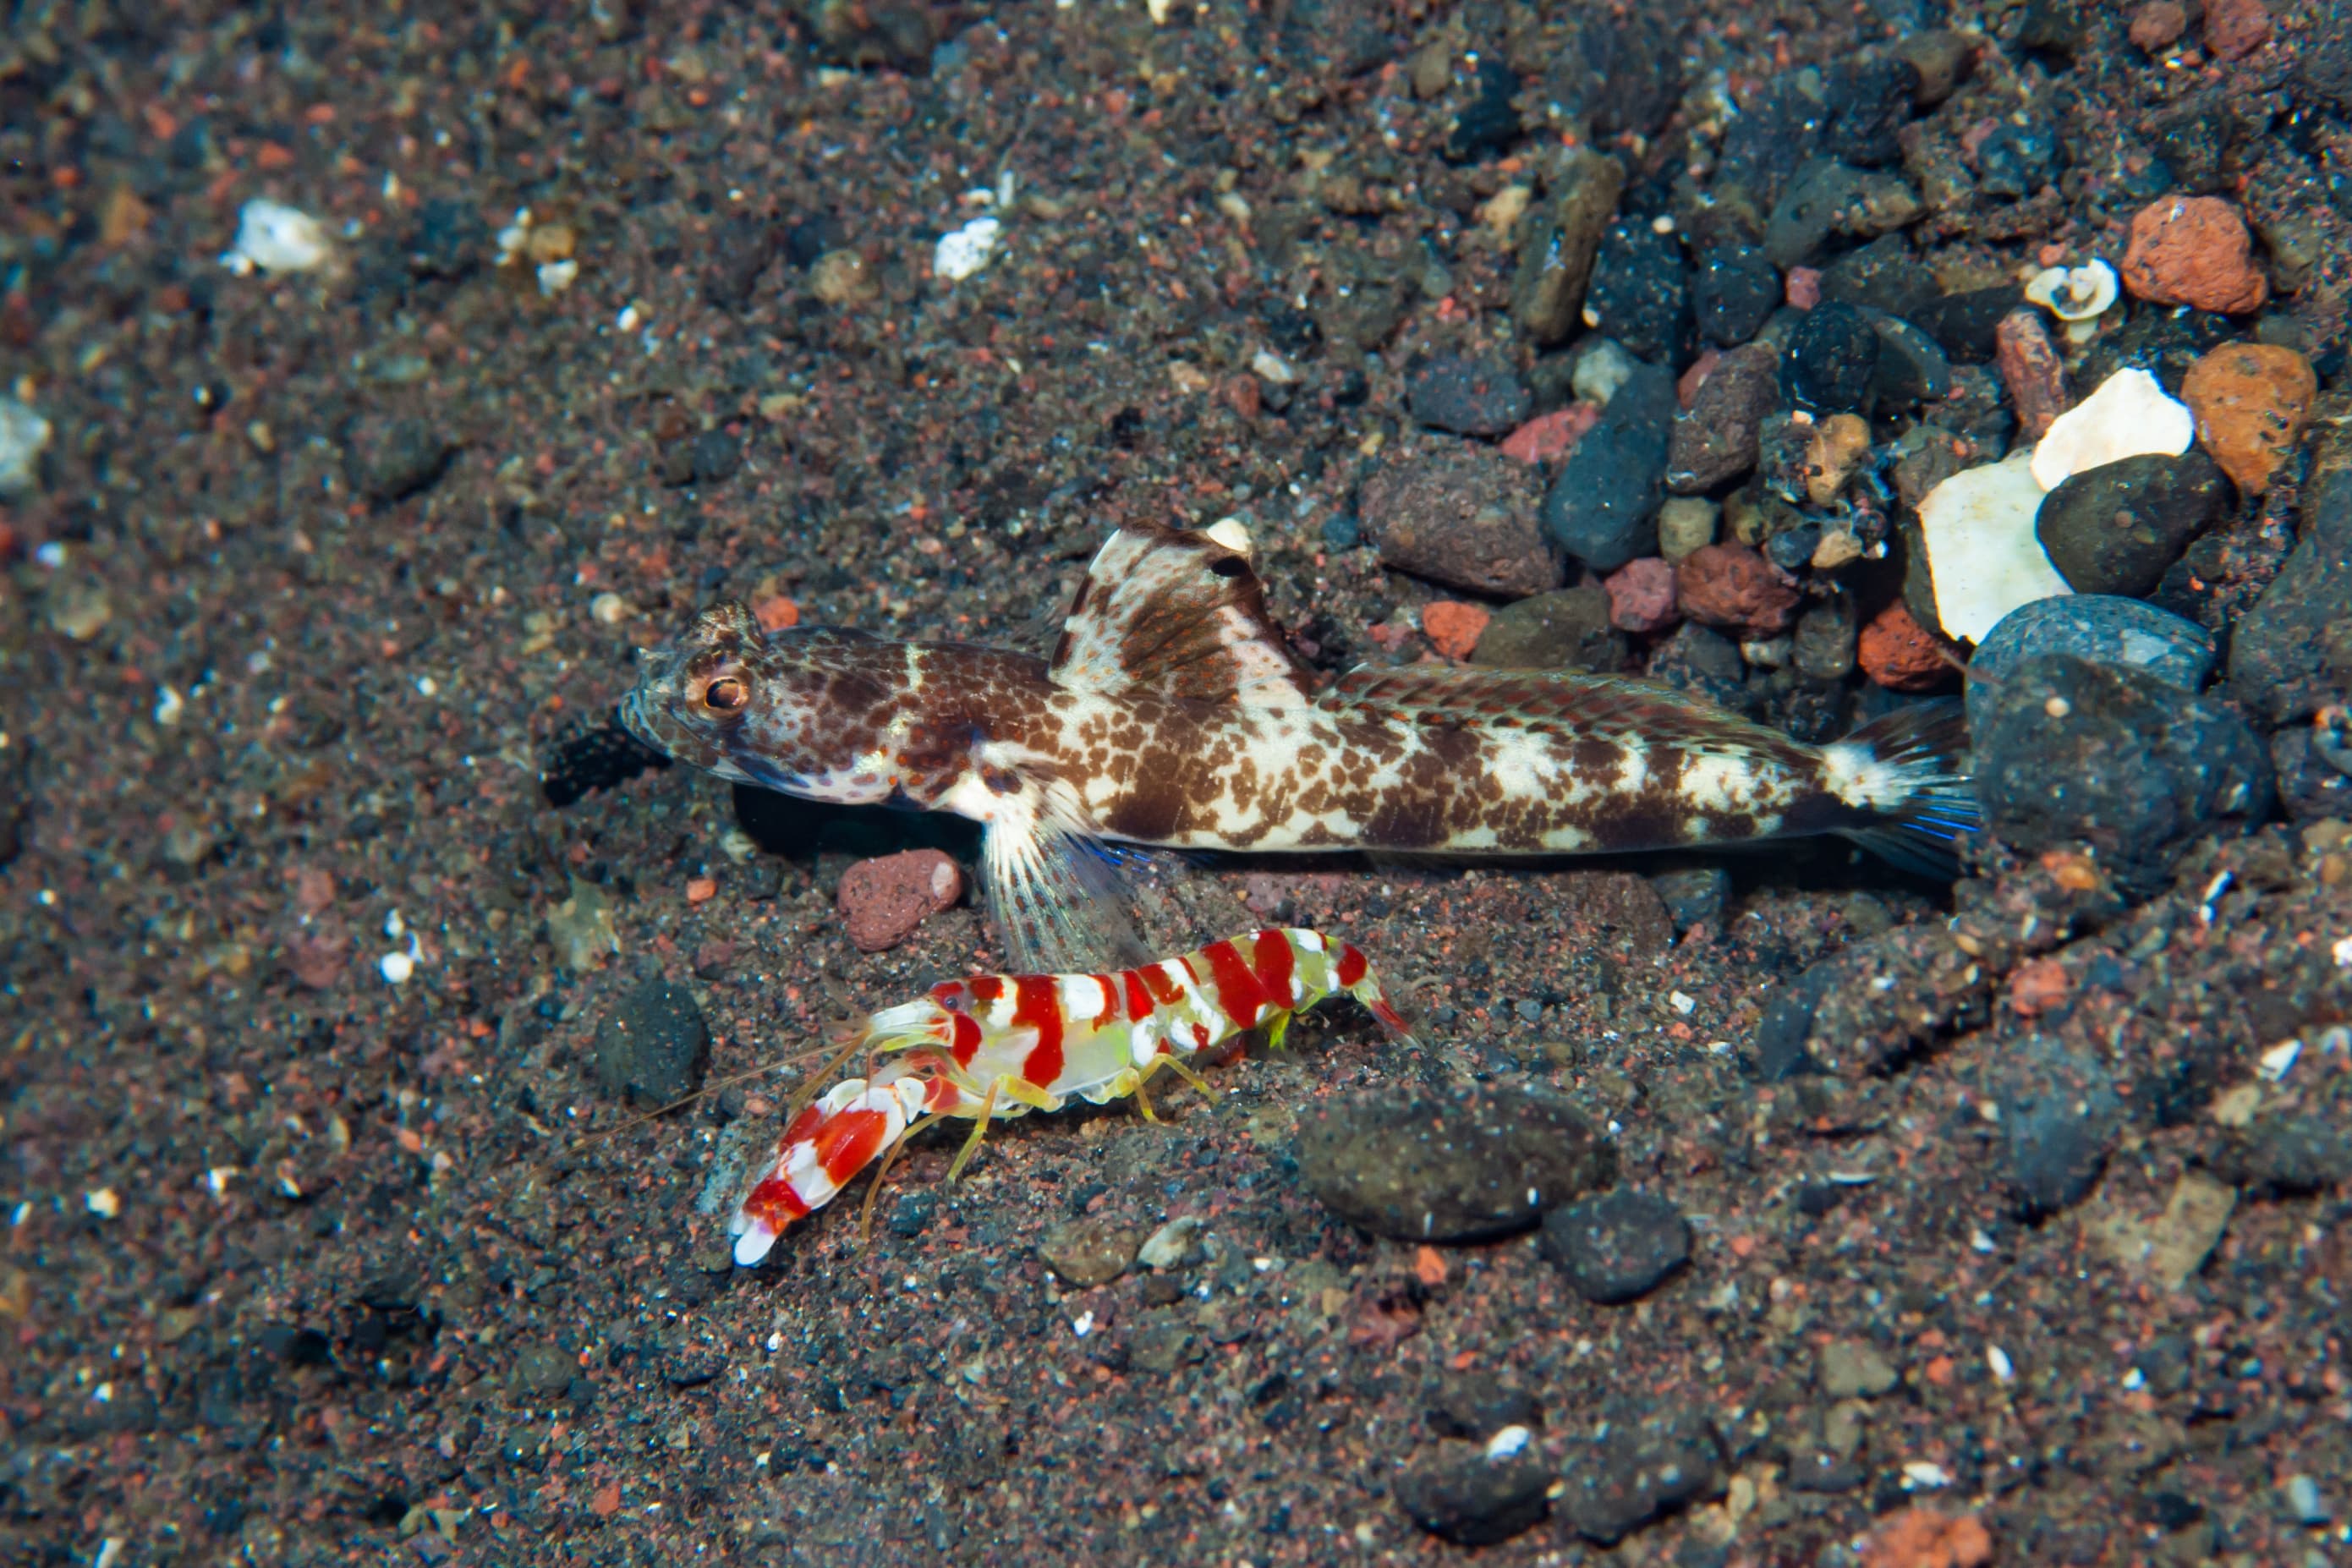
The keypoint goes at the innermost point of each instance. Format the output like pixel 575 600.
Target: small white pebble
pixel 103 1203
pixel 964 251
pixel 1684 1004
pixel 1082 1324
pixel 629 320
pixel 1925 1473
pixel 2279 1061
pixel 397 967
pixel 1509 1443
pixel 216 1180
pixel 275 237
pixel 2134 1380
pixel 2003 1367
pixel 555 277
pixel 2342 953
pixel 426 686
pixel 395 927
pixel 169 705
pixel 609 609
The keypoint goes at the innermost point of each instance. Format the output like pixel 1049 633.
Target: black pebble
pixel 1833 359
pixel 1480 396
pixel 448 240
pixel 1488 123
pixel 2115 529
pixel 1736 290
pixel 1870 101
pixel 716 455
pixel 1638 296
pixel 1619 1246
pixel 1455 1492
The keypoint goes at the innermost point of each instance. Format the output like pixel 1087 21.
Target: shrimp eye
pixel 953 1002
pixel 725 695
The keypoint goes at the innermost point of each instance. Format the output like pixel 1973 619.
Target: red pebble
pixel 2236 28
pixel 2030 370
pixel 2194 251
pixel 1923 1538
pixel 883 901
pixel 2158 25
pixel 1551 435
pixel 1900 654
pixel 1454 626
pixel 1686 389
pixel 1803 287
pixel 1732 586
pixel 1642 595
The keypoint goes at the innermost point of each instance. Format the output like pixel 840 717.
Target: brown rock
pixel 2158 25
pixel 1463 515
pixel 2252 402
pixel 1567 630
pixel 1732 586
pixel 2194 250
pixel 1556 246
pixel 2030 368
pixel 1716 440
pixel 1901 654
pixel 883 899
pixel 2236 28
pixel 1091 1251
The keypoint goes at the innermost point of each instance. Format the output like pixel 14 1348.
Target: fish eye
pixel 726 694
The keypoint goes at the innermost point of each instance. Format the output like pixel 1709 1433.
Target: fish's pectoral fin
pixel 1057 901
pixel 1178 613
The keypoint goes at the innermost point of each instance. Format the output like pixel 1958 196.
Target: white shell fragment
pixel 2128 417
pixel 964 251
pixel 23 436
pixel 275 237
pixel 2074 293
pixel 1981 548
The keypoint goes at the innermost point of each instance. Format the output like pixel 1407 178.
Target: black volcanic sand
pixel 1989 1215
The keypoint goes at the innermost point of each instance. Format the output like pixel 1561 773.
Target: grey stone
pixel 1848 1369
pixel 1617 1246
pixel 1716 441
pixel 1463 515
pixel 2103 629
pixel 1556 246
pixel 1453 1491
pixel 1649 1464
pixel 2115 529
pixel 1567 630
pixel 1468 397
pixel 1602 507
pixel 2292 654
pixel 654 1046
pixel 1466 1169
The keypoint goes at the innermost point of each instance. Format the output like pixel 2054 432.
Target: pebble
pixel 2030 370
pixel 1547 437
pixel 1695 896
pixel 1422 1169
pixel 2115 528
pixel 1732 586
pixel 542 1369
pixel 1489 121
pixel 1468 397
pixel 1837 448
pixel 2072 752
pixel 1172 1246
pixel 1825 642
pixel 2194 251
pixel 1716 441
pixel 882 900
pixel 2304 1503
pixel 1925 1538
pixel 2236 28
pixel 2291 656
pixel 2129 416
pixel 1943 58
pixel 1452 1490
pixel 2157 25
pixel 275 237
pixel 1638 294
pixel 23 437
pixel 1453 627
pixel 1642 595
pixel 1477 1405
pixel 844 277
pixel 1602 506
pixel 1090 1251
pixel 1619 1246
pixel 1571 629
pixel 1832 360
pixel 1913 368
pixel 2251 401
pixel 2060 1119
pixel 1976 528
pixel 1601 367
pixel 1869 101
pixel 1848 1369
pixel 1808 212
pixel 391 459
pixel 2098 627
pixel 1557 249
pixel 1734 292
pixel 1898 653
pixel 653 1046
pixel 1648 1463
pixel 1463 515
pixel 1685 524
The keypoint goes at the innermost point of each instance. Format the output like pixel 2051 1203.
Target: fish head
pixel 808 711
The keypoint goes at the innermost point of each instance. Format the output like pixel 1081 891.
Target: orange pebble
pixel 1455 627
pixel 776 614
pixel 701 890
pixel 1428 1267
pixel 1922 1538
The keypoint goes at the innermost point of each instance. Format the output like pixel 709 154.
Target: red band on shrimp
pixel 1037 1005
pixel 967 1038
pixel 1162 985
pixel 848 1142
pixel 1238 992
pixel 1351 966
pixel 1138 999
pixel 1276 965
pixel 774 1204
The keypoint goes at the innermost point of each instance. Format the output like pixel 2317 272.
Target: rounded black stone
pixel 1832 360
pixel 1619 1246
pixel 2115 529
pixel 1734 292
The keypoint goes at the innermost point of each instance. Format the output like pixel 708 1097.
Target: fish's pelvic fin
pixel 1055 898
pixel 1178 613
pixel 1905 775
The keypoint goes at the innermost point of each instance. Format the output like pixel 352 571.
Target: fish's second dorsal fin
pixel 1544 701
pixel 1178 613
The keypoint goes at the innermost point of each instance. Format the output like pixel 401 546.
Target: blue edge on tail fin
pixel 1929 741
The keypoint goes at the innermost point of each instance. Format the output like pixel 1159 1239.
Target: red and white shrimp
pixel 1004 1045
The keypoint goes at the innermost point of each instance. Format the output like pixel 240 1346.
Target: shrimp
pixel 998 1046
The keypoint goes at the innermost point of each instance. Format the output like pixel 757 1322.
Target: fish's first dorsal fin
pixel 1178 613
pixel 1545 701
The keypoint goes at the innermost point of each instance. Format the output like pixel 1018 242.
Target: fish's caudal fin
pixel 1905 779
